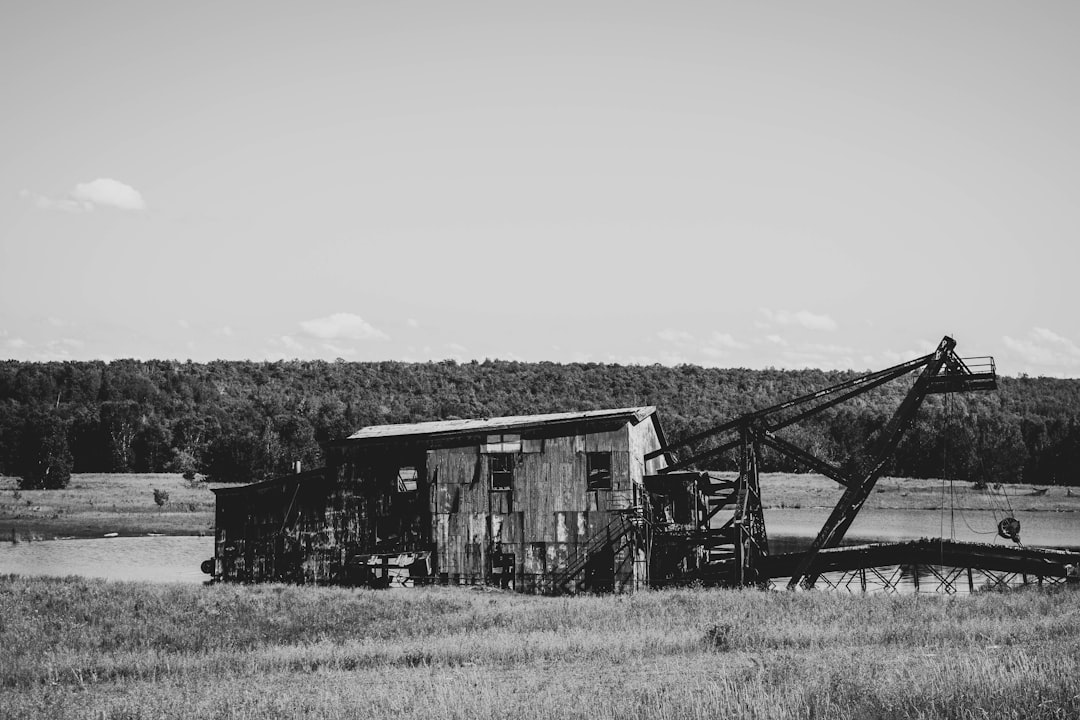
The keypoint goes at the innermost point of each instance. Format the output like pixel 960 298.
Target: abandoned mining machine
pixel 737 553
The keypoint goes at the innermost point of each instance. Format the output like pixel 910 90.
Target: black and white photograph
pixel 485 360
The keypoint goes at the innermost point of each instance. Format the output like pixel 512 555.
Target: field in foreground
pixel 92 649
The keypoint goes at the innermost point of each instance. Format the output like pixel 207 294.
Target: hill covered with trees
pixel 245 421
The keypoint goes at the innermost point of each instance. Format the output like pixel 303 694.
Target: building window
pixel 406 479
pixel 501 468
pixel 504 443
pixel 598 470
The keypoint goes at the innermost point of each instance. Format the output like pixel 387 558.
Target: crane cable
pixel 1007 526
pixel 944 473
pixel 945 476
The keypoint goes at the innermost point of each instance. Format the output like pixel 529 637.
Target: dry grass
pixel 76 648
pixel 95 504
pixel 780 490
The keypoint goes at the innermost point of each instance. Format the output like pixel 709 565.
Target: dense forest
pixel 244 421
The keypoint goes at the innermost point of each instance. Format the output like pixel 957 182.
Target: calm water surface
pixel 177 559
pixel 1037 529
pixel 154 559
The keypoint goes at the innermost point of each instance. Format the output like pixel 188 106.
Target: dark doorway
pixel 600 572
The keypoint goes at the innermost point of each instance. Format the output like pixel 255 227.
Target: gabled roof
pixel 497 424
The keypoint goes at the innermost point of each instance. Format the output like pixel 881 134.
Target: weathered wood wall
pixel 310 527
pixel 306 528
pixel 546 517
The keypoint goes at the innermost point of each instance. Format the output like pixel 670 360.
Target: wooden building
pixel 540 503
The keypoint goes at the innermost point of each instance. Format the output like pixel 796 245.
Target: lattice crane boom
pixel 941 371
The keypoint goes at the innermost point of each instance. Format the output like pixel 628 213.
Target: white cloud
pixel 412 322
pixel 1044 352
pixel 342 326
pixel 720 346
pixel 84 197
pixel 57 349
pixel 678 337
pixel 1052 337
pixel 890 357
pixel 724 340
pixel 340 352
pixel 110 193
pixel 776 340
pixel 291 343
pixel 183 324
pixel 226 331
pixel 801 318
pixel 42 202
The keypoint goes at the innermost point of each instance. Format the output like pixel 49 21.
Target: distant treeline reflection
pixel 245 421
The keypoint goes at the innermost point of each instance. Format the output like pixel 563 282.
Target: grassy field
pixel 789 490
pixel 90 649
pixel 93 505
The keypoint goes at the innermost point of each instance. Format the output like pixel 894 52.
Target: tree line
pixel 245 421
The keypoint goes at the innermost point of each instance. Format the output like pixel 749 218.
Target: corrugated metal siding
pixel 547 517
pixel 307 528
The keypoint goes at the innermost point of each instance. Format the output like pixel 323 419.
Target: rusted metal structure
pixel 933 565
pixel 541 503
pixel 942 371
pixel 585 501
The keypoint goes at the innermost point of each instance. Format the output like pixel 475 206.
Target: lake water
pixel 1037 529
pixel 177 559
pixel 154 559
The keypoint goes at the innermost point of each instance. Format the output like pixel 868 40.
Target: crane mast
pixel 939 372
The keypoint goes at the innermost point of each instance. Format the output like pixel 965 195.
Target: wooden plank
pixel 500 502
pixel 562 528
pixel 620 470
pixel 545 509
pixel 611 440
pixel 535 561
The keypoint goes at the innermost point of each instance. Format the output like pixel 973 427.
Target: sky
pixel 789 184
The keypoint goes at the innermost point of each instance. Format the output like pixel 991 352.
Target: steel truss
pixel 941 371
pixel 923 578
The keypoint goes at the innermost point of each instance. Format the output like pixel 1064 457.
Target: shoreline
pixel 94 505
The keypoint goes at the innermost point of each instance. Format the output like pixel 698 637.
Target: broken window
pixel 503 443
pixel 502 568
pixel 598 470
pixel 501 469
pixel 406 479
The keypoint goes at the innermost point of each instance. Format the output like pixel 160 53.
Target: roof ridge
pixel 427 427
